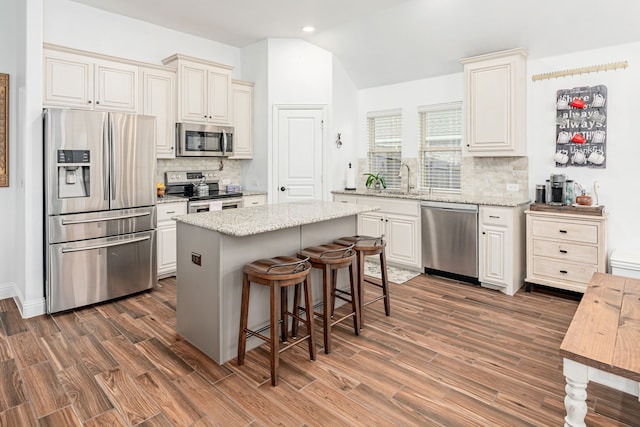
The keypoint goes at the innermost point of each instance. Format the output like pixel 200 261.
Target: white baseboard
pixel 30 308
pixel 7 290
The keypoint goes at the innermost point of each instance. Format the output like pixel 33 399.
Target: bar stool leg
pixel 355 300
pixel 296 310
pixel 334 284
pixel 385 284
pixel 273 342
pixel 326 307
pixel 361 259
pixel 284 317
pixel 244 314
pixel 309 312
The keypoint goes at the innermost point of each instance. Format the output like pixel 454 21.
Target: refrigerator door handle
pixel 113 218
pixel 112 171
pixel 105 160
pixel 105 245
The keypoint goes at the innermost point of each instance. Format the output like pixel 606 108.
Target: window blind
pixel 440 147
pixel 385 145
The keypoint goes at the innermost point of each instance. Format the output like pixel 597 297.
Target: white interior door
pixel 298 155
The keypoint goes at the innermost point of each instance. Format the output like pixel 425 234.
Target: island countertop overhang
pixel 265 218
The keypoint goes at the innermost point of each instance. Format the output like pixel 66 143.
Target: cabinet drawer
pixel 564 230
pixel 566 251
pixel 167 210
pixel 495 216
pixel 562 270
pixel 342 198
pixel 394 206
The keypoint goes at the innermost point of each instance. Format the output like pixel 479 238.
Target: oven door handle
pixel 105 245
pixel 113 218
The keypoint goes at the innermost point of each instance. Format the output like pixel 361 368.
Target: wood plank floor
pixel 450 354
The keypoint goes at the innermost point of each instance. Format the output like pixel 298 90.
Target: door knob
pixel 283 188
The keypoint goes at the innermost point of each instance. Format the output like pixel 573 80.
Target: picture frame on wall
pixel 4 130
pixel 581 127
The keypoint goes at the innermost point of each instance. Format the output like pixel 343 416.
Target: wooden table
pixel 602 343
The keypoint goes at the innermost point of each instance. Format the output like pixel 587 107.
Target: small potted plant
pixel 375 180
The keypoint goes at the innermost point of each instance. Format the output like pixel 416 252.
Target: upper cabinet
pixel 495 104
pixel 158 98
pixel 89 83
pixel 241 119
pixel 204 90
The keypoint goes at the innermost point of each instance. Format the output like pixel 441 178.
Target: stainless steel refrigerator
pixel 100 215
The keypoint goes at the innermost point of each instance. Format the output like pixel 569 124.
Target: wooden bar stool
pixel 330 258
pixel 366 246
pixel 278 273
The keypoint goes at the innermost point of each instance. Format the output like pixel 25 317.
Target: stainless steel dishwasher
pixel 450 239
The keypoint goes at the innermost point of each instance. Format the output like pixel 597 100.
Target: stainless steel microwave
pixel 201 140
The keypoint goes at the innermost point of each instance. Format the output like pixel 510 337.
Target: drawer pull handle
pixel 494 216
pixel 170 212
pixel 562 251
pixel 563 271
pixel 563 231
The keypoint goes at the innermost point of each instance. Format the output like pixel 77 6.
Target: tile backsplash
pixel 480 176
pixel 227 168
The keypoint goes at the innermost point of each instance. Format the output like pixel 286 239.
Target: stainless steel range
pixel 192 185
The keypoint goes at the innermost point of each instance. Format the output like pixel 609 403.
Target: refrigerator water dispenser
pixel 73 173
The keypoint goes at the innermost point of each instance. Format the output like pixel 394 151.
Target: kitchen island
pixel 212 249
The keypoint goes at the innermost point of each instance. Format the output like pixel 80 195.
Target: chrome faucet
pixel 408 176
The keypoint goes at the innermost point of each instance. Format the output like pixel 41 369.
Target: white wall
pixel 255 69
pixel 8 65
pixel 299 73
pixel 344 119
pixel 619 179
pixel 71 24
pixel 408 96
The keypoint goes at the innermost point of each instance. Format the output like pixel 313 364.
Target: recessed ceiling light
pixel 308 29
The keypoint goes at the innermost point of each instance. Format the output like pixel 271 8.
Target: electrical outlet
pixel 196 258
pixel 513 187
pixel 226 181
pixel 254 182
pixel 596 187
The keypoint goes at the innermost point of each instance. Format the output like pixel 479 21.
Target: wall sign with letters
pixel 581 127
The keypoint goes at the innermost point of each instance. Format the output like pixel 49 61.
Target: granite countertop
pixel 264 218
pixel 171 199
pixel 452 198
pixel 174 199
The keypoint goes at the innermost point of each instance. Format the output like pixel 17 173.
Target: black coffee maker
pixel 558 189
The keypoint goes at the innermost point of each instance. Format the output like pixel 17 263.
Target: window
pixel 440 147
pixel 385 145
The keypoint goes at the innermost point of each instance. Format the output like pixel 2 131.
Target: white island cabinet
pixel 213 247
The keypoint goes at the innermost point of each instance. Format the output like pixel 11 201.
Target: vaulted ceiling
pixel 389 41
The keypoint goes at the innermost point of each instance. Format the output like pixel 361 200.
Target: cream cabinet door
pixel 495 104
pixel 193 94
pixel 402 238
pixel 158 99
pixel 219 97
pixel 493 256
pixel 166 236
pixel 371 224
pixel 68 82
pixel 242 119
pixel 116 86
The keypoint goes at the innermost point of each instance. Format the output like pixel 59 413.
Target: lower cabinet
pixel 254 200
pixel 501 248
pixel 166 236
pixel 565 249
pixel 398 221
